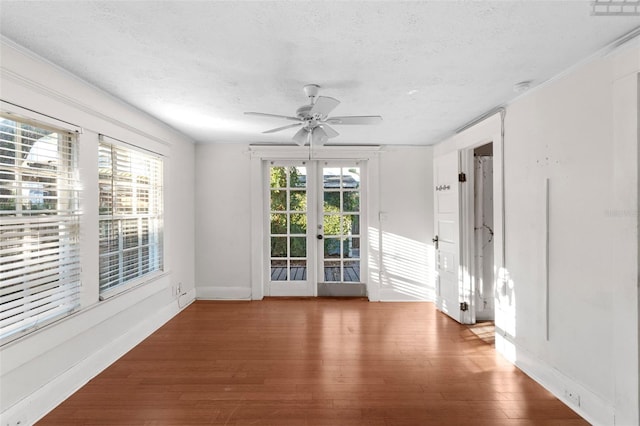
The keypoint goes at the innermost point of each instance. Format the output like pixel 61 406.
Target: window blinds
pixel 131 225
pixel 39 226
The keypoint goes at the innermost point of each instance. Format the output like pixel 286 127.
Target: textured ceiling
pixel 426 67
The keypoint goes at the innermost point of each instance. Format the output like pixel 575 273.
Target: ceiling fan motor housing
pixel 303 111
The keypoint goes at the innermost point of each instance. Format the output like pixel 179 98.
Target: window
pixel 39 226
pixel 130 215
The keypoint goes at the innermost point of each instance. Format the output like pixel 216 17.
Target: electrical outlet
pixel 573 397
pixel 15 421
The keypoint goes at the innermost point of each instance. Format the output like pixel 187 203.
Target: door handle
pixel 435 241
pixel 319 236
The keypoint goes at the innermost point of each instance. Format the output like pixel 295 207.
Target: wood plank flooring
pixel 312 362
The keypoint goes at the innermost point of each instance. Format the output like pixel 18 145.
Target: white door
pixel 449 280
pixel 313 221
pixel 340 212
pixel 291 248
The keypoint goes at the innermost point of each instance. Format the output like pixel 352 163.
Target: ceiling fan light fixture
pixel 301 136
pixel 319 136
pixel 330 132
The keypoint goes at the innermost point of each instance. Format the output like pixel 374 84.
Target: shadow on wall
pixel 402 267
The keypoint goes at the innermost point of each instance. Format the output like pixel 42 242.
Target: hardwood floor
pixel 308 362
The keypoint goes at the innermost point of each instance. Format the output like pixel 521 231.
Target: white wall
pixel 223 221
pixel 406 203
pixel 402 271
pixel 40 370
pixel 580 132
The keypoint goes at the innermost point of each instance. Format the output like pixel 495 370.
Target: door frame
pixel 260 155
pixel 363 221
pixel 476 268
pixel 306 288
pixel 487 130
pixel 467 230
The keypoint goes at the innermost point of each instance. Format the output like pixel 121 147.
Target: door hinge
pixel 462 177
pixel 464 306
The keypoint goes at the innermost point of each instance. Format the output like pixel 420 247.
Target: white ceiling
pixel 428 67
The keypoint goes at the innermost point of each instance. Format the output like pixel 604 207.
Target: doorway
pixel 314 221
pixel 483 279
pixel 465 234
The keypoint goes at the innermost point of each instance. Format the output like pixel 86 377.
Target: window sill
pixel 132 285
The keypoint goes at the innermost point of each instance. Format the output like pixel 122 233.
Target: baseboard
pixel 592 407
pixel 244 293
pixel 223 293
pixel 392 295
pixel 38 404
pixel 184 300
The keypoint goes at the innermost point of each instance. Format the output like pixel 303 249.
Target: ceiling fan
pixel 314 120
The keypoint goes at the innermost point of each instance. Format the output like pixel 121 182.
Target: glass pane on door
pixel 288 223
pixel 341 224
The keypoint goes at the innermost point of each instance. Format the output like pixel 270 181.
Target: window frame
pixel 42 251
pixel 155 219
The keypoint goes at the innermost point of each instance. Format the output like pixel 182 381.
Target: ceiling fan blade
pixel 319 136
pixel 329 131
pixel 289 126
pixel 355 119
pixel 301 136
pixel 323 106
pixel 263 114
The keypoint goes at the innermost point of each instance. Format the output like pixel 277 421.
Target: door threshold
pixel 363 298
pixel 342 289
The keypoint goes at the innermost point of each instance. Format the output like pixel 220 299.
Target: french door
pixel 313 220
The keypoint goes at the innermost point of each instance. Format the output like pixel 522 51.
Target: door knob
pixel 319 236
pixel 435 241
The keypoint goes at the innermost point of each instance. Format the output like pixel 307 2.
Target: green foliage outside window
pixel 283 219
